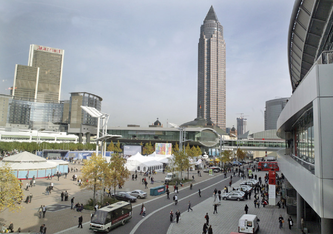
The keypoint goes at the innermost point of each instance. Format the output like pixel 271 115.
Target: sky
pixel 141 57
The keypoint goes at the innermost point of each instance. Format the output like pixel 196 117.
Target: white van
pixel 169 177
pixel 248 223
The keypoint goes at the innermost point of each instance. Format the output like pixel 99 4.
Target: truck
pixel 248 223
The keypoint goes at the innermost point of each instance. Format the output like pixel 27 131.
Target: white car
pixel 244 188
pixel 138 193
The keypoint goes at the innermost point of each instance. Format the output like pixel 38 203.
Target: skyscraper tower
pixel 40 81
pixel 212 71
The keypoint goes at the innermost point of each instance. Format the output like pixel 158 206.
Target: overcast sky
pixel 141 56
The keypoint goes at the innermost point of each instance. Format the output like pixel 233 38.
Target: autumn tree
pixel 225 156
pixel 111 147
pixel 180 162
pixel 10 190
pixel 148 149
pixel 119 173
pixel 240 154
pixel 95 174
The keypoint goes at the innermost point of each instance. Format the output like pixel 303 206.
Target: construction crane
pixel 242 115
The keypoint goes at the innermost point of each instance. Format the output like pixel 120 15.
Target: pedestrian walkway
pixel 229 212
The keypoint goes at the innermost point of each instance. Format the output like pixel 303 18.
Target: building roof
pixel 211 15
pixel 310 30
pixel 24 157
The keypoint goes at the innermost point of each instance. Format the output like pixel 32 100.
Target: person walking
pixel 44 210
pixel 171 216
pixel 80 221
pixel 281 221
pixel 177 216
pixel 210 229
pixel 215 209
pixel 189 207
pixel 44 229
pixel 40 211
pixel 168 193
pixel 199 193
pixel 62 196
pixel 72 203
pixel 143 211
pixel 290 222
pixel 41 229
pixel 246 208
pixel 207 219
pixel 204 228
pixel 176 199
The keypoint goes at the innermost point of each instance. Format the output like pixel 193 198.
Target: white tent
pixel 143 163
pixel 161 158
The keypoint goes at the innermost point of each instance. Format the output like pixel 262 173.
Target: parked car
pixel 215 169
pixel 244 188
pixel 233 195
pixel 138 193
pixel 123 196
pixel 250 182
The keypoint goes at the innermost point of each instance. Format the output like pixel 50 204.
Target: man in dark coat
pixel 246 209
pixel 177 215
pixel 80 221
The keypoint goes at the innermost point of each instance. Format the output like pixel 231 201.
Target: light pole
pixel 38 137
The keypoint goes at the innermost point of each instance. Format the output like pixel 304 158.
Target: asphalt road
pixel 158 209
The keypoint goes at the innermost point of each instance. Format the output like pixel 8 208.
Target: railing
pixel 309 166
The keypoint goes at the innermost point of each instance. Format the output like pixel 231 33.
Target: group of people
pixel 42 211
pixel 64 196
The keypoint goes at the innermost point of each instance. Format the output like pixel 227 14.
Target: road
pixel 158 209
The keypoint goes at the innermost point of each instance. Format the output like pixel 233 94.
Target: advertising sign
pixel 163 148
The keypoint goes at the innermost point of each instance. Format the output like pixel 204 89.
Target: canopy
pixel 142 163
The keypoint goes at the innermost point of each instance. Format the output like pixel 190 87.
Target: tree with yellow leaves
pixel 240 154
pixel 11 193
pixel 119 173
pixel 96 174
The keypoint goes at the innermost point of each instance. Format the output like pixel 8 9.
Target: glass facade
pixel 304 137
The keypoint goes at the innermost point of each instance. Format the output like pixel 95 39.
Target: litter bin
pixel 157 190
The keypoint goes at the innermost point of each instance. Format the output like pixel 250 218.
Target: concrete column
pixel 88 137
pixel 300 210
pixel 326 225
pixel 80 138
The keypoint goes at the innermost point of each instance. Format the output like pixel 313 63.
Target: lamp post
pixel 38 137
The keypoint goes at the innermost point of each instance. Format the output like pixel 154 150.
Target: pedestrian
pixel 290 222
pixel 80 221
pixel 199 193
pixel 168 193
pixel 40 211
pixel 143 211
pixel 44 229
pixel 11 227
pixel 246 208
pixel 66 196
pixel 255 203
pixel 177 216
pixel 171 216
pixel 146 183
pixel 176 199
pixel 281 221
pixel 30 197
pixel 189 207
pixel 215 209
pixel 62 196
pixel 210 230
pixel 44 211
pixel 72 203
pixel 204 228
pixel 207 219
pixel 191 186
pixel 258 203
pixel 215 196
pixel 41 229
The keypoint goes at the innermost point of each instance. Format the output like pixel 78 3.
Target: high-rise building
pixel 241 126
pixel 212 71
pixel 272 112
pixel 40 81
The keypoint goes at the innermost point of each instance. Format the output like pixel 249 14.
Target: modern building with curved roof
pixel 306 120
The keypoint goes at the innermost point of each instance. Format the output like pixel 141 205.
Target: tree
pixel 225 156
pixel 240 154
pixel 180 162
pixel 119 173
pixel 95 174
pixel 10 190
pixel 148 149
pixel 117 148
pixel 111 147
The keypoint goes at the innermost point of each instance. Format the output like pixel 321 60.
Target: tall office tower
pixel 40 81
pixel 273 109
pixel 212 71
pixel 241 126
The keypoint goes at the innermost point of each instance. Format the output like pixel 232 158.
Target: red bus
pixel 268 166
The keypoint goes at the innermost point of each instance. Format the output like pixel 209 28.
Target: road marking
pixel 161 208
pixel 140 222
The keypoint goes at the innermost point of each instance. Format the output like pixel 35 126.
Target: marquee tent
pixel 143 163
pixel 26 164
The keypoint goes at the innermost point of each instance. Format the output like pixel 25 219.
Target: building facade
pixel 272 112
pixel 241 126
pixel 212 71
pixel 306 121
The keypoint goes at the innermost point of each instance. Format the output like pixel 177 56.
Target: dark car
pixel 122 196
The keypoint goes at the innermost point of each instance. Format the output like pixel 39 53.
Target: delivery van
pixel 169 177
pixel 248 223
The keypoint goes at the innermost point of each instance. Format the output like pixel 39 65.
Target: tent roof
pixel 30 166
pixel 24 157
